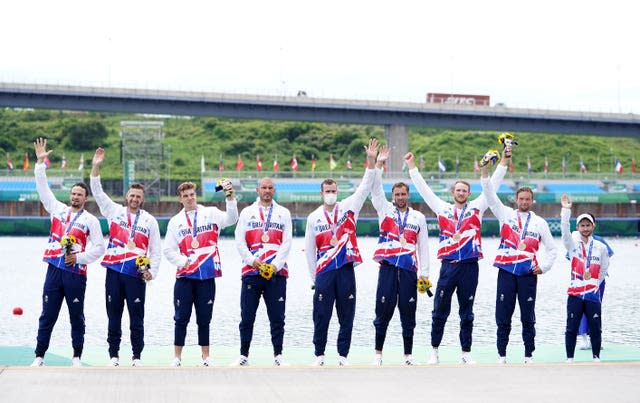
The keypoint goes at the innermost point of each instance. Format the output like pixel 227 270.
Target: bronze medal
pixel 457 237
pixel 195 244
pixel 522 246
pixel 265 237
pixel 587 275
pixel 334 241
pixel 131 244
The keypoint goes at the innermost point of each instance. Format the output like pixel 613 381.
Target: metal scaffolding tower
pixel 142 158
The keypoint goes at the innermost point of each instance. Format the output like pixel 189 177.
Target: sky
pixel 560 54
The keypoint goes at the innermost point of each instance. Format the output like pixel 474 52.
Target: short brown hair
pixel 400 185
pixel 185 186
pixel 328 181
pixel 82 185
pixel 138 186
pixel 463 182
pixel 524 189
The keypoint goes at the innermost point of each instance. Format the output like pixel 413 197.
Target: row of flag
pixel 47 162
pixel 293 164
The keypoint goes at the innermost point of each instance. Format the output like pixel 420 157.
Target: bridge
pixel 395 116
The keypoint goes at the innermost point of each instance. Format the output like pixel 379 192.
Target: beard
pixel 401 205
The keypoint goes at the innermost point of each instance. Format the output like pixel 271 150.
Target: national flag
pixel 332 163
pixel 634 168
pixel 441 166
pixel 276 164
pixel 239 163
pixel 313 163
pixel 529 165
pixel 583 167
pixel 457 165
pixel 422 163
pixel 81 165
pixel 546 165
pixel 25 162
pixel 221 164
pixel 619 168
pixel 63 163
pixel 9 163
pixel 202 167
pixel 476 165
pixel 349 166
pixel 258 164
pixel 294 164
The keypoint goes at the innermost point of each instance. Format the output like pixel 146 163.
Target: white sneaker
pixel 242 361
pixel 137 362
pixel 409 360
pixel 114 362
pixel 528 360
pixel 75 362
pixel 434 358
pixel 38 362
pixel 176 362
pixel 585 342
pixel 342 361
pixel 569 361
pixel 466 358
pixel 596 359
pixel 278 361
pixel 318 362
pixel 502 360
pixel 377 361
pixel 206 362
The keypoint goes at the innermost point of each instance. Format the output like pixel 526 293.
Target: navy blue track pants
pixel 461 277
pixel 119 288
pixel 274 292
pixel 523 288
pixel 197 293
pixel 337 286
pixel 58 285
pixel 576 307
pixel 396 287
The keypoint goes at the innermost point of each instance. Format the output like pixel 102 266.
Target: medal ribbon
pixel 70 224
pixel 265 228
pixel 455 215
pixel 335 219
pixel 135 223
pixel 587 257
pixel 523 232
pixel 194 229
pixel 401 222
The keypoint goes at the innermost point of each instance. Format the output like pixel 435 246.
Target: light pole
pixel 168 149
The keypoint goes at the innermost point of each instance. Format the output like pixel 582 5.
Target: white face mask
pixel 330 198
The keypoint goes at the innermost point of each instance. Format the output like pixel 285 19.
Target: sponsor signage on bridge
pixel 457 99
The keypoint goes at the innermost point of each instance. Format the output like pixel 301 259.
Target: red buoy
pixel 17 311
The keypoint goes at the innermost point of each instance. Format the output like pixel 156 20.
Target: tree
pixel 85 135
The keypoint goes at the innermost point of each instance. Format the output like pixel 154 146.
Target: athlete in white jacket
pixel 133 234
pixel 67 266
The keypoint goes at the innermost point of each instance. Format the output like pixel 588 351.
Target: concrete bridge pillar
pixel 398 140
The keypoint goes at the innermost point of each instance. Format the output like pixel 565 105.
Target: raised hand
pixel 372 148
pixel 409 159
pixel 40 146
pixel 98 157
pixel 565 201
pixel 383 156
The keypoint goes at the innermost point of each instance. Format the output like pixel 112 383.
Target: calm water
pixel 22 272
